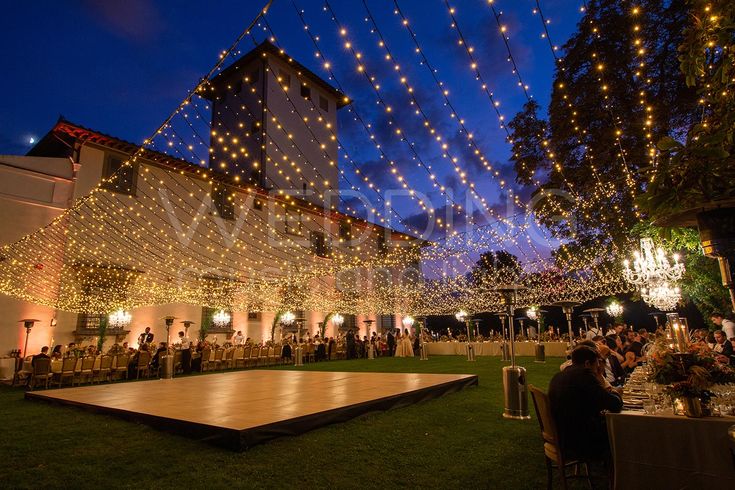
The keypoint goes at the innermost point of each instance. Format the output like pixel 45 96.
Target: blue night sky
pixel 121 67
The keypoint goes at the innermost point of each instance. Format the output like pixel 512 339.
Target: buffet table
pixel 553 349
pixel 670 451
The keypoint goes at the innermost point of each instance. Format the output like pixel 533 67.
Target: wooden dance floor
pixel 243 408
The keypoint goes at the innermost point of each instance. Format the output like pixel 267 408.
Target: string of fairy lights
pixel 203 212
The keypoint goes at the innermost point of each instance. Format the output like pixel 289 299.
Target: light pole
pixel 515 389
pixel 568 307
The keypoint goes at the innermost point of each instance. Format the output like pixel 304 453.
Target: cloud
pixel 137 21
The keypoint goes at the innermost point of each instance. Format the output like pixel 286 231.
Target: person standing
pixel 239 338
pixel 146 337
pixel 391 344
pixel 727 326
pixel 185 353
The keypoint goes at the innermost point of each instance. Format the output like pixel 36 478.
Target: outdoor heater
pixel 504 346
pixel 568 307
pixel 515 390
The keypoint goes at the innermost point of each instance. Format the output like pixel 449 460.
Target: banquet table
pixel 7 367
pixel 553 349
pixel 671 451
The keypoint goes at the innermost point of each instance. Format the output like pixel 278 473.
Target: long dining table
pixel 671 451
pixel 455 348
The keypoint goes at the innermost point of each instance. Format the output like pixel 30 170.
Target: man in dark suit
pixel 42 355
pixel 578 395
pixel 146 337
pixel 391 343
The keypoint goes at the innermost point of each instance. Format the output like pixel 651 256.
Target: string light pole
pixel 515 389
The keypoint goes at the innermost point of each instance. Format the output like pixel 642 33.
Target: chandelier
pixel 120 319
pixel 532 312
pixel 221 319
pixel 288 318
pixel 654 276
pixel 461 315
pixel 408 321
pixel 338 319
pixel 615 309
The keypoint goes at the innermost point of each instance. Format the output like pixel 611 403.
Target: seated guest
pixel 629 363
pixel 155 362
pixel 643 336
pixel 722 346
pixel 634 344
pixel 578 395
pixel 614 373
pixel 568 362
pixel 56 354
pixel 42 355
pixel 71 350
pixel 726 326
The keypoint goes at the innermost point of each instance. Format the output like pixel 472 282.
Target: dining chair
pixel 104 370
pixel 41 371
pixel 121 366
pixel 85 370
pixel 552 447
pixel 143 366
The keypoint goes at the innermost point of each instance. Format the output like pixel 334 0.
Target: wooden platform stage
pixel 243 408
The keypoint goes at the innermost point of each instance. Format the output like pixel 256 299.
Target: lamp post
pixel 28 324
pixel 568 307
pixel 515 390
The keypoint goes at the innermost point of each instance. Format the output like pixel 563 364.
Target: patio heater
pixel 371 347
pixel 504 346
pixel 167 361
pixel 28 325
pixel 585 318
pixel 515 390
pixel 656 316
pixel 187 324
pixel 464 317
pixel 537 315
pixel 595 314
pixel 422 345
pixel 522 321
pixel 568 307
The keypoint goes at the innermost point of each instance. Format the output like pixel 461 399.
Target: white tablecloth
pixel 7 367
pixel 670 451
pixel 553 349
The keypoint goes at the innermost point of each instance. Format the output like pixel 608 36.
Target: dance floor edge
pixel 240 409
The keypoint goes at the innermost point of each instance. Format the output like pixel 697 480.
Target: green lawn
pixel 457 441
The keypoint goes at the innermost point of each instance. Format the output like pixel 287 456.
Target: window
pixel 89 322
pixel 345 231
pixel 253 315
pixel 224 206
pixel 386 322
pixel 305 91
pixel 323 103
pixel 119 175
pixel 320 244
pixel 284 78
pixel 253 77
pixel 293 222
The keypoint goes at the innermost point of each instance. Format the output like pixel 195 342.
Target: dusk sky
pixel 122 67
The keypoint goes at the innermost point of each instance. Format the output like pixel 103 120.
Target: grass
pixel 457 441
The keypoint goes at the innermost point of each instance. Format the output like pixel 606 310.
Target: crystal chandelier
pixel 654 276
pixel 408 321
pixel 461 315
pixel 221 319
pixel 338 319
pixel 615 309
pixel 288 318
pixel 120 319
pixel 532 312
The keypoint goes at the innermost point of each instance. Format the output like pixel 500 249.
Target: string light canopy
pixel 204 211
pixel 654 276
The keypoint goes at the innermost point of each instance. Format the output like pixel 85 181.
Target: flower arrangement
pixel 688 374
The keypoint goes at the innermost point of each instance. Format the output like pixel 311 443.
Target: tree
pixel 598 136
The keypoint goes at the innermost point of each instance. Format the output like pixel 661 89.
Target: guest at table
pixel 643 336
pixel 155 362
pixel 629 363
pixel 722 346
pixel 578 395
pixel 726 325
pixel 71 350
pixel 568 362
pixel 633 344
pixel 42 355
pixel 56 353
